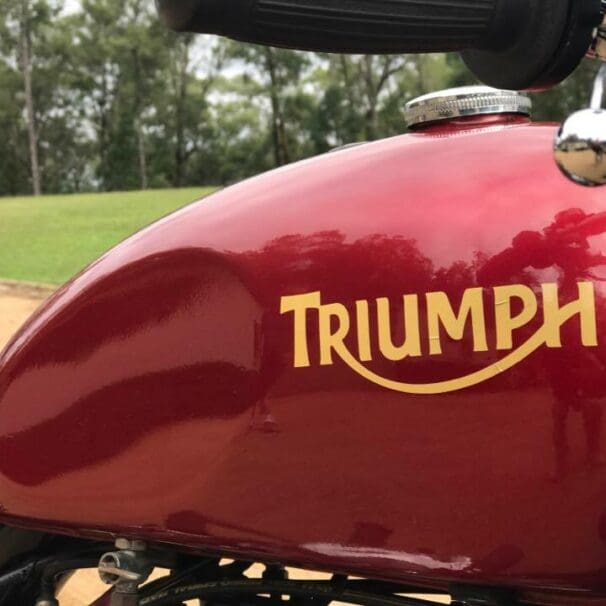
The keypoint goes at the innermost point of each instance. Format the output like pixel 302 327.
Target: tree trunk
pixel 139 100
pixel 139 120
pixel 142 157
pixel 181 100
pixel 349 89
pixel 180 134
pixel 281 151
pixel 372 97
pixel 345 134
pixel 27 66
pixel 103 105
pixel 420 65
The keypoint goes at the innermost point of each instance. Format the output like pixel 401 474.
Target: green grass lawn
pixel 49 239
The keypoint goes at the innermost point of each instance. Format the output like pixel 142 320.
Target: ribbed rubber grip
pixel 379 26
pixel 350 26
pixel 507 43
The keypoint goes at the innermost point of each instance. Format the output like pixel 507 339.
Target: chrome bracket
pixel 125 569
pixel 580 144
pixel 597 50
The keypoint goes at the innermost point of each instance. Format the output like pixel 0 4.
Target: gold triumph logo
pixel 335 323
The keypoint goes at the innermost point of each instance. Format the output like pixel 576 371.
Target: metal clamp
pixel 597 50
pixel 125 569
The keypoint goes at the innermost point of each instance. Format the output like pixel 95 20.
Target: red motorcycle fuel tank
pixel 388 360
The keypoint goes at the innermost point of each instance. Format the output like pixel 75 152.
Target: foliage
pixel 573 94
pixel 121 103
pixel 51 238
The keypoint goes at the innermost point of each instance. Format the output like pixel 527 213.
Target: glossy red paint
pixel 155 394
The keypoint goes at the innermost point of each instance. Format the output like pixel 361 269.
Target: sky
pixel 71 6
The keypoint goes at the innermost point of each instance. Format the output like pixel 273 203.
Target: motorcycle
pixel 386 363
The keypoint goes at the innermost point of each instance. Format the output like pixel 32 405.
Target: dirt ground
pixel 18 300
pixel 14 310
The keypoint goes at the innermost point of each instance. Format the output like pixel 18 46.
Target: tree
pixel 119 60
pixel 365 81
pixel 193 69
pixel 14 163
pixel 105 98
pixel 25 40
pixel 276 76
pixel 24 26
pixel 362 98
pixel 573 94
pixel 143 56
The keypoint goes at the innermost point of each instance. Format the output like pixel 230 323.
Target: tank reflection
pixel 576 373
pixel 145 360
pixel 122 361
pixel 198 370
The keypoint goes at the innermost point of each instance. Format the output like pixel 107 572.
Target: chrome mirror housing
pixel 580 145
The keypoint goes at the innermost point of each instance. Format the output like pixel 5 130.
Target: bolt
pixel 125 569
pixel 130 544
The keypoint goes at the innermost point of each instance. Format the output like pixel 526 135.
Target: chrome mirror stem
pixel 597 96
pixel 580 145
pixel 598 46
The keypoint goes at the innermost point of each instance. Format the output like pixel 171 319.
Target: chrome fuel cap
pixel 463 102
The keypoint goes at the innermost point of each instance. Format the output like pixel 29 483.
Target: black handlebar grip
pixel 345 26
pixel 534 33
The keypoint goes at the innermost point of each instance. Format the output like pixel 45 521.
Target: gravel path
pixel 14 310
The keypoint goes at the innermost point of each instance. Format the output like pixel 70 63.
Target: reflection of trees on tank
pixel 376 266
pixel 202 377
pixel 367 268
pixel 371 267
pixel 381 266
pixel 576 373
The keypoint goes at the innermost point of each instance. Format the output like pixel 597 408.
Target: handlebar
pixel 346 26
pixel 517 44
